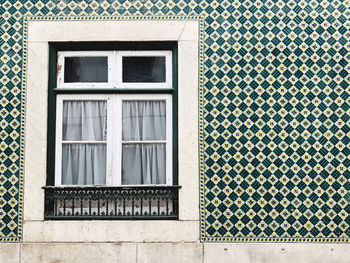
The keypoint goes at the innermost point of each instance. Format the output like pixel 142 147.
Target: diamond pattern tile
pixel 275 107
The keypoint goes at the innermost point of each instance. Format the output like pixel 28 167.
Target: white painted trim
pixel 109 168
pixel 84 142
pixel 143 85
pixel 117 140
pixel 169 129
pixel 115 68
pixel 58 151
pixel 59 141
pixel 61 65
pixel 114 133
pixel 143 142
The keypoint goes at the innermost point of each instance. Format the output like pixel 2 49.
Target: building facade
pixel 242 116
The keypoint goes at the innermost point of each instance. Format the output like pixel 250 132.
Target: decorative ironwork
pixel 111 202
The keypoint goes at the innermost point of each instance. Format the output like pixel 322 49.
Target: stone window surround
pixel 40 33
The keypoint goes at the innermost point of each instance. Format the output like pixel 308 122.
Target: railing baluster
pixel 175 204
pixel 132 204
pixel 81 205
pixel 116 205
pixel 90 205
pixel 64 205
pixel 141 204
pixel 73 198
pixel 158 205
pixel 150 205
pixel 56 207
pixel 98 205
pixel 107 202
pixel 124 200
pixel 167 205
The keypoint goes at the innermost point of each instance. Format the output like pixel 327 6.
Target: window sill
pixel 111 202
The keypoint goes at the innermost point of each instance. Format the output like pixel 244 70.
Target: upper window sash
pixel 62 69
pixel 116 77
pixel 165 83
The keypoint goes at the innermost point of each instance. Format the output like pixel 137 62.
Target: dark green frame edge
pixel 55 47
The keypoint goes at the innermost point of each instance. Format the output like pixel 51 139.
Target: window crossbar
pixel 143 142
pixel 84 142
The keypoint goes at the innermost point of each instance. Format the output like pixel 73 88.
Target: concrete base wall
pixel 193 252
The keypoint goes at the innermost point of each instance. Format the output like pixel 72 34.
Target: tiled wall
pixel 274 110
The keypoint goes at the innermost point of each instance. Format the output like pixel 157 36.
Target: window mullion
pixel 117 132
pixel 118 69
pixel 59 116
pixel 169 139
pixel 109 166
pixel 115 68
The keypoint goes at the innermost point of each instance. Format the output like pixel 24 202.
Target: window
pixel 113 136
pixel 114 139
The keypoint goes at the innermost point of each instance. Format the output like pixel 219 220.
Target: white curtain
pixel 144 120
pixel 84 120
pixel 144 163
pixel 84 163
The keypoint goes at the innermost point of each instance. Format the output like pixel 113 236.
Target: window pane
pixel 84 164
pixel 144 120
pixel 143 69
pixel 85 69
pixel 84 120
pixel 143 164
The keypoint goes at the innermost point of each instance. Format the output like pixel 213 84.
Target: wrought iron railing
pixel 107 202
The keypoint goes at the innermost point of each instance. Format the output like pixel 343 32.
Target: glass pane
pixel 84 120
pixel 85 69
pixel 143 164
pixel 84 164
pixel 143 69
pixel 144 120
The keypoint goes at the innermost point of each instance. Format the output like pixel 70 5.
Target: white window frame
pixel 59 123
pixel 115 60
pixel 118 138
pixel 143 85
pixel 78 85
pixel 114 110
